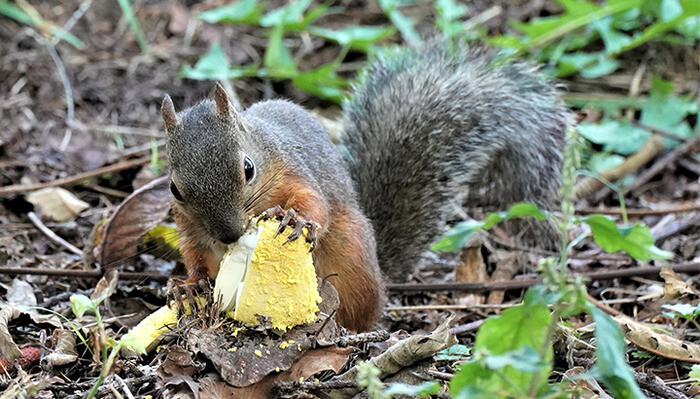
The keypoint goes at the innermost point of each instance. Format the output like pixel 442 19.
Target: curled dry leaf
pixel 57 203
pixel 658 343
pixel 141 211
pixel 8 348
pixel 63 354
pixel 674 287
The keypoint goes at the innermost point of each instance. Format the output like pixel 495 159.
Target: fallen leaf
pixel 21 293
pixel 674 287
pixel 57 203
pixel 141 211
pixel 64 352
pixel 658 343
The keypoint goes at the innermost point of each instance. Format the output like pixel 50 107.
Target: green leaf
pixel 636 240
pixel 617 375
pixel 463 231
pixel 614 40
pixel 516 328
pixel 601 161
pixel 695 373
pixel 422 390
pixel 214 65
pixel 133 342
pixel 80 304
pixel 403 24
pixel 524 359
pixel 356 37
pixel 684 310
pixel 668 112
pixel 615 136
pixel 286 16
pixel 278 59
pixel 454 352
pixel 246 12
pixel 670 9
pixel 457 236
pixel 323 82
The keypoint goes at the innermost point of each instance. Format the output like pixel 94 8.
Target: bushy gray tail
pixel 430 129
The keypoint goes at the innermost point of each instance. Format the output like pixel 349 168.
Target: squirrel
pixel 426 129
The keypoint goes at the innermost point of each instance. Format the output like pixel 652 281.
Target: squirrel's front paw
pixel 186 291
pixel 291 218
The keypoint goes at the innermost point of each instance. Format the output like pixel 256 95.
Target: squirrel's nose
pixel 229 238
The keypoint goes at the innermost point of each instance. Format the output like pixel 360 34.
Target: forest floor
pixel 105 140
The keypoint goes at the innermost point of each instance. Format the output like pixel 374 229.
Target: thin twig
pixel 640 212
pixel 449 307
pixel 68 91
pixel 87 274
pixel 73 20
pixel 662 163
pixel 53 236
pixel 21 188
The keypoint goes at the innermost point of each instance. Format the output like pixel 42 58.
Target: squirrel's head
pixel 212 178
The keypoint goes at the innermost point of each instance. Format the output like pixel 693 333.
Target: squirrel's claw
pixel 291 218
pixel 180 291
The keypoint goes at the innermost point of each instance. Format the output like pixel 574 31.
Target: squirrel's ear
pixel 167 110
pixel 223 103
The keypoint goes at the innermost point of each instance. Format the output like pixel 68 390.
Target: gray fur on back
pixel 427 129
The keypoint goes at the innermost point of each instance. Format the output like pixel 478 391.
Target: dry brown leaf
pixel 674 287
pixel 57 203
pixel 64 352
pixel 141 211
pixel 658 343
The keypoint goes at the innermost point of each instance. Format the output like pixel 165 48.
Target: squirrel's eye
pixel 248 169
pixel 176 192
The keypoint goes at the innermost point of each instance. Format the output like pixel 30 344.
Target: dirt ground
pixel 111 117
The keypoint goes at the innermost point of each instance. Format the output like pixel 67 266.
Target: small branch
pixel 652 147
pixel 86 274
pixel 662 163
pixel 654 384
pixel 68 91
pixel 53 236
pixel 361 338
pixel 640 212
pixel 448 307
pixel 690 267
pixel 21 188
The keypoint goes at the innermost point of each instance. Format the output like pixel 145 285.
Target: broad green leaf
pixel 462 232
pixel 615 136
pixel 524 359
pixel 133 342
pixel 516 211
pixel 323 82
pixel 454 352
pixel 602 66
pixel 636 240
pixel 695 373
pixel 668 112
pixel 670 9
pixel 246 12
pixel 356 37
pixel 403 24
pixel 516 328
pixel 601 161
pixel 457 236
pixel 614 40
pixel 684 310
pixel 422 390
pixel 617 375
pixel 80 304
pixel 591 65
pixel 278 59
pixel 284 16
pixel 215 65
pixel 450 10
